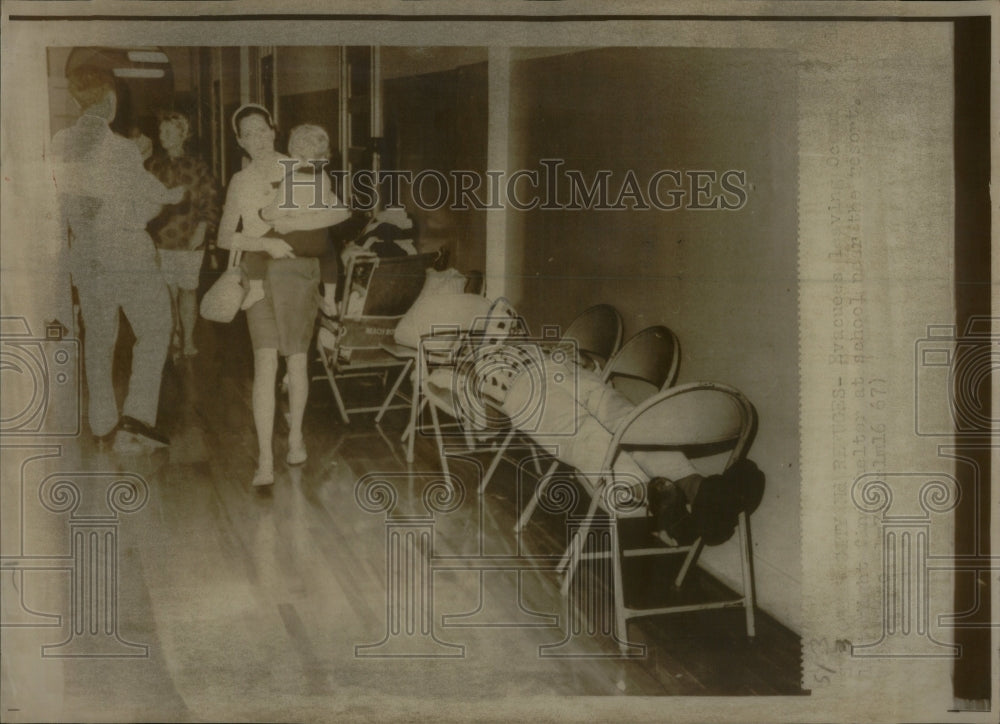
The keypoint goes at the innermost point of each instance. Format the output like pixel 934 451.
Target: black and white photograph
pixel 479 362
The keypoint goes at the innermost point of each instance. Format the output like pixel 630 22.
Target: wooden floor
pixel 279 605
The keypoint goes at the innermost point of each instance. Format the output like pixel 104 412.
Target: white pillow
pixel 438 311
pixel 449 281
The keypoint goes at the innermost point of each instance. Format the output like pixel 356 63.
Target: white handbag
pixel 222 301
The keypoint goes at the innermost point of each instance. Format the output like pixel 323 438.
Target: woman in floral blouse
pixel 180 230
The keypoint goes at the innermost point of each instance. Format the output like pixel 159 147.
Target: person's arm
pixel 197 236
pixel 230 213
pixel 310 220
pixel 56 171
pixel 274 209
pixel 304 218
pixel 135 182
pixel 276 248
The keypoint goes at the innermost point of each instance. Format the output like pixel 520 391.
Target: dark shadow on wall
pixel 439 121
pixel 434 121
pixel 316 107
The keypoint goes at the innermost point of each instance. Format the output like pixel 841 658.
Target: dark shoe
pixel 721 498
pixel 667 507
pixel 141 429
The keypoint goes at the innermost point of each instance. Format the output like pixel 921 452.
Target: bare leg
pixel 255 293
pixel 298 394
pixel 265 370
pixel 187 312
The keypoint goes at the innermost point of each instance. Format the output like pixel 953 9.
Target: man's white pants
pixel 142 294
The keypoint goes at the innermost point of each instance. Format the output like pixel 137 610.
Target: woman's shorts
pixel 181 268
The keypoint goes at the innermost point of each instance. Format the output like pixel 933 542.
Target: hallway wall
pixel 724 281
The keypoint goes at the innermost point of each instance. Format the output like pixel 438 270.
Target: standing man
pixel 107 197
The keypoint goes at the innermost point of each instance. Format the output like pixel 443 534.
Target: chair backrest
pixel 702 419
pixel 391 284
pixel 597 332
pixel 389 287
pixel 646 364
pixel 500 323
pixel 498 351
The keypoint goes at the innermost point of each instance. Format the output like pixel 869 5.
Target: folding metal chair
pixel 464 374
pixel 592 339
pixel 461 316
pixel 647 363
pixel 378 293
pixel 702 420
pixel 596 334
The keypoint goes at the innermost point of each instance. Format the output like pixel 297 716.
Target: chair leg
pixel 328 368
pixel 415 407
pixel 621 620
pixel 748 599
pixel 571 558
pixel 440 440
pixel 533 503
pixel 410 434
pixel 415 400
pixel 496 461
pixel 470 439
pixel 586 526
pixel 689 560
pixel 392 393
